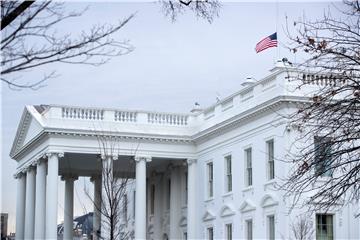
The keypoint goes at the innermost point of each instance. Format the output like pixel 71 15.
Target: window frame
pixel 248 167
pixel 228 173
pixel 321 166
pixel 227 235
pixel 270 159
pixel 332 226
pixel 209 181
pixel 208 233
pixel 270 231
pixel 247 221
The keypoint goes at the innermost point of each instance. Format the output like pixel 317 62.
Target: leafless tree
pixel 31 40
pixel 207 9
pixel 326 153
pixel 302 228
pixel 113 204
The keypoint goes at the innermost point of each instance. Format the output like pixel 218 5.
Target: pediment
pixel 183 221
pixel 227 210
pixel 29 127
pixel 208 216
pixel 247 206
pixel 269 200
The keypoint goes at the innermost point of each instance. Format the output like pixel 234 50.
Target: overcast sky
pixel 173 66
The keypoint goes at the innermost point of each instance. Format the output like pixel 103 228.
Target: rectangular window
pixel 322 156
pixel 186 188
pixel 152 200
pixel 271 227
pixel 134 197
pixel 125 207
pixel 210 175
pixel 324 227
pixel 228 228
pixel 168 194
pixel 270 159
pixel 249 229
pixel 185 236
pixel 210 233
pixel 228 174
pixel 248 162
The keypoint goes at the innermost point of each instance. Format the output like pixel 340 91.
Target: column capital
pixel 58 154
pixel 140 158
pixel 105 156
pixel 18 174
pixel 191 161
pixel 65 177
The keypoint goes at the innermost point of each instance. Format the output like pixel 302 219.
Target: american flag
pixel 268 42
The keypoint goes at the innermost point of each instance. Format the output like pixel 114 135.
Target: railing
pixel 322 80
pixel 125 116
pixel 82 113
pixel 167 119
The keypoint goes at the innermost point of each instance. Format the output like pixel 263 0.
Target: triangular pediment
pixel 183 221
pixel 208 216
pixel 269 200
pixel 227 210
pixel 247 206
pixel 29 127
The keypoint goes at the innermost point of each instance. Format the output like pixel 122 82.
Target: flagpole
pixel 277 32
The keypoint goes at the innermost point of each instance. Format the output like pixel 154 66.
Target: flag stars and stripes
pixel 268 42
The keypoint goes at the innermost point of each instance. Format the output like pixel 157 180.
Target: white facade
pixel 196 175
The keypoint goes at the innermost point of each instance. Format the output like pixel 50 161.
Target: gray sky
pixel 173 66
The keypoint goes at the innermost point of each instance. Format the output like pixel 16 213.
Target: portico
pixel 46 149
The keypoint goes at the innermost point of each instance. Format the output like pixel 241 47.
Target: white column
pixel 40 203
pixel 52 195
pixel 20 206
pixel 69 207
pixel 97 206
pixel 30 203
pixel 140 197
pixel 159 206
pixel 191 204
pixel 175 203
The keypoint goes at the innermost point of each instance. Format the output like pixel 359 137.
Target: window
pixel 185 236
pixel 271 227
pixel 228 228
pixel 324 227
pixel 125 207
pixel 248 162
pixel 228 174
pixel 322 155
pixel 270 159
pixel 168 194
pixel 210 176
pixel 152 200
pixel 134 197
pixel 249 229
pixel 210 233
pixel 186 188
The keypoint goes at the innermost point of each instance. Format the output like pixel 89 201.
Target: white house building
pixel 209 174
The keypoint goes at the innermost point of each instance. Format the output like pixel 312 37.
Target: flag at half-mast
pixel 268 42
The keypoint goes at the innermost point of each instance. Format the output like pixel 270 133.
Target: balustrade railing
pixel 125 116
pixel 82 113
pixel 322 80
pixel 167 119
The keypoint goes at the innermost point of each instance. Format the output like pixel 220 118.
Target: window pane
pixel 270 155
pixel 210 233
pixel 228 177
pixel 249 226
pixel 229 231
pixel 271 227
pixel 324 227
pixel 210 179
pixel 322 156
pixel 248 167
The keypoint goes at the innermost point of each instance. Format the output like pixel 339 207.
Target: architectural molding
pixel 269 200
pixel 183 221
pixel 226 211
pixel 247 206
pixel 208 216
pixel 191 161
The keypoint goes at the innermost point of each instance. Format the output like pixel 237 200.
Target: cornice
pixel 237 120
